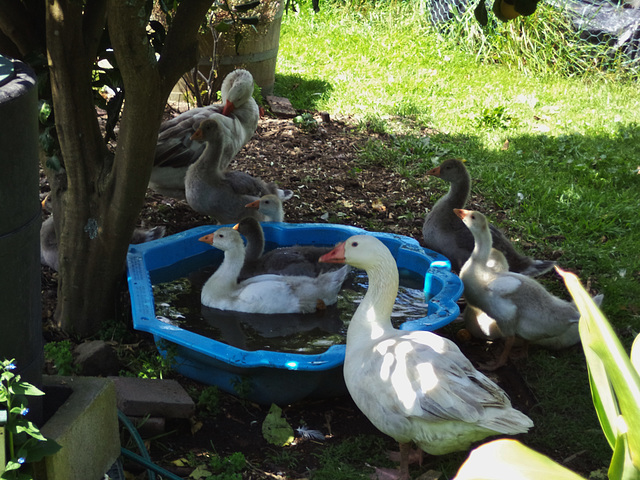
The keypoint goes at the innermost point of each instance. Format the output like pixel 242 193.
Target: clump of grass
pixel 545 43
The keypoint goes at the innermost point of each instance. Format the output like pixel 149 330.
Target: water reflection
pixel 178 302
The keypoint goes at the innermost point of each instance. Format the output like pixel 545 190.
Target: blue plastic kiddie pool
pixel 263 376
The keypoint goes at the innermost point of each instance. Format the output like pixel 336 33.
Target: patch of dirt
pixel 329 185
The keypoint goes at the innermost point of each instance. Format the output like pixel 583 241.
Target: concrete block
pixel 96 358
pixel 138 397
pixel 86 426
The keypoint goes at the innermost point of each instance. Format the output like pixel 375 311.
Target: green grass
pixel 567 179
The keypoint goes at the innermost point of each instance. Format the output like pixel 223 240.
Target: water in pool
pixel 178 303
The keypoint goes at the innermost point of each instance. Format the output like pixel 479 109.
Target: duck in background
pixel 292 260
pixel 270 206
pixel 223 195
pixel 445 233
pixel 49 239
pixel 519 305
pixel 176 150
pixel 414 386
pixel 264 293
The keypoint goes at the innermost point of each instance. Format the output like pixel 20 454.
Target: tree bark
pixel 97 198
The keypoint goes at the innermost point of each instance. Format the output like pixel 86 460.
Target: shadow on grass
pixel 303 93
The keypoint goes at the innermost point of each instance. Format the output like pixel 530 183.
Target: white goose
pixel 264 293
pixel 519 305
pixel 175 149
pixel 221 194
pixel 414 386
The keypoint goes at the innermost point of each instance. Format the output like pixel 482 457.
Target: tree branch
pixel 16 25
pixel 180 51
pixel 95 19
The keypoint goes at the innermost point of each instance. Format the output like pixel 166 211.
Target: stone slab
pixel 281 106
pixel 139 397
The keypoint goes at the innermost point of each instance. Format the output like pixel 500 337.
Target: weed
pixel 227 468
pixel 345 461
pixel 151 364
pixel 60 354
pixel 306 122
pixel 496 117
pixel 284 458
pixel 209 400
pixel 242 386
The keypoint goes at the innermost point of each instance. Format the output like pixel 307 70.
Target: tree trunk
pixel 97 198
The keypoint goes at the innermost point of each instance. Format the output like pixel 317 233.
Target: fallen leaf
pixel 195 427
pixel 200 472
pixel 378 206
pixel 505 145
pixel 275 428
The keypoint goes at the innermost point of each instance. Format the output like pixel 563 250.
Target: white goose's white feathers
pixel 520 305
pixel 175 150
pixel 268 293
pixel 415 386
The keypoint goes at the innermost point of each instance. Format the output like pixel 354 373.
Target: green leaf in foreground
pixel 507 459
pixel 275 428
pixel 615 383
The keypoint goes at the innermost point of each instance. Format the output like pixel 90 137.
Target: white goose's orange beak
pixel 228 108
pixel 197 135
pixel 207 239
pixel 334 256
pixel 461 212
pixel 254 204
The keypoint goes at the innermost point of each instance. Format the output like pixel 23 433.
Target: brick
pixel 139 397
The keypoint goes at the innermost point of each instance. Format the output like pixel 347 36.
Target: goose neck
pixel 482 246
pixel 458 193
pixel 209 163
pixel 226 276
pixel 255 244
pixel 373 316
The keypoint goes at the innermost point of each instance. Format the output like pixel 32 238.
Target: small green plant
pixel 26 444
pixel 242 386
pixel 284 458
pixel 209 400
pixel 306 122
pixel 372 124
pixel 60 354
pixel 227 468
pixel 494 118
pixel 345 461
pixel 152 364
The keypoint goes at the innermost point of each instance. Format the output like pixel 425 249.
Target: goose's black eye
pixel 354 244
